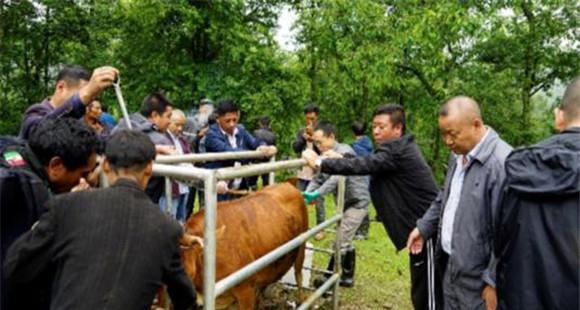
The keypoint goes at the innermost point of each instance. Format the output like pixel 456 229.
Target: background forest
pixel 348 57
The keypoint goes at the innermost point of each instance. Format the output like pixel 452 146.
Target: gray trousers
pixel 351 220
pixel 457 297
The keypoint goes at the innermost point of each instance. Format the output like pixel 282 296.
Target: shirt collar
pixel 473 153
pixel 227 134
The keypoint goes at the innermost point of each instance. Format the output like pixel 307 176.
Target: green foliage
pixel 351 56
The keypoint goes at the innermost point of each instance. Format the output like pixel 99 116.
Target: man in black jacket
pixel 538 237
pixel 402 188
pixel 112 247
pixel 58 156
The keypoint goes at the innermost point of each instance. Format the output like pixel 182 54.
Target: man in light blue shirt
pixel 464 212
pixel 461 162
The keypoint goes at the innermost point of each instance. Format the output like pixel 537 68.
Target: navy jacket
pixel 216 141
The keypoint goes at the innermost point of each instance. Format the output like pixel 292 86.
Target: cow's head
pixel 192 251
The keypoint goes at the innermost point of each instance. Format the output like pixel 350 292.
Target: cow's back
pixel 249 228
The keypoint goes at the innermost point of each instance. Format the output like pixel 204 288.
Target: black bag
pixel 22 198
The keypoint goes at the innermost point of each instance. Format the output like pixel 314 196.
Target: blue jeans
pixel 178 210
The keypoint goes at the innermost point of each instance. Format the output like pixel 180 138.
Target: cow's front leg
pixel 246 296
pixel 298 265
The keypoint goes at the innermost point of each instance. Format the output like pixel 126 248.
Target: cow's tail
pixel 298 264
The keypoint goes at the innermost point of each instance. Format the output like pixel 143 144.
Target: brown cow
pixel 249 228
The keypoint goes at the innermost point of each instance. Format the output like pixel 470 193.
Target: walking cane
pixel 117 87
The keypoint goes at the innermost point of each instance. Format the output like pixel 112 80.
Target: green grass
pixel 382 274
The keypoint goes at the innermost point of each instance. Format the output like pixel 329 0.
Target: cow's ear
pixel 188 241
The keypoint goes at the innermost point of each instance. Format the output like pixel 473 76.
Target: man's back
pixel 112 248
pixel 538 240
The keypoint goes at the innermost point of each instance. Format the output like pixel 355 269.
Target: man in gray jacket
pixel 153 119
pixel 464 212
pixel 357 197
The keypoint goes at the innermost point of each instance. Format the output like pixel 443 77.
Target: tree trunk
pixel 47 48
pixel 365 101
pixel 528 77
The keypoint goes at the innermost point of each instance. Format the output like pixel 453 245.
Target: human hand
pixel 309 197
pixel 101 78
pixel 82 186
pixel 310 157
pixel 489 296
pixel 332 154
pixel 202 132
pixel 415 242
pixel 268 151
pixel 222 187
pixel 165 149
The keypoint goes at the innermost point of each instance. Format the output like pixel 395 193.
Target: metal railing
pixel 210 178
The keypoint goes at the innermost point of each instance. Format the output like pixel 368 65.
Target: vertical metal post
pixel 337 244
pixel 209 250
pixel 168 196
pixel 272 174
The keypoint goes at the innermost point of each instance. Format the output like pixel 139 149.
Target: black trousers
pixel 426 285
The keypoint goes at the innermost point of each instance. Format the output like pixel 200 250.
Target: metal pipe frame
pixel 181 172
pixel 262 262
pixel 337 253
pixel 211 289
pixel 209 239
pixel 168 196
pixel 333 280
pixel 217 156
pixel 230 173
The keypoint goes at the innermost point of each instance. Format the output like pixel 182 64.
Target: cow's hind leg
pixel 246 296
pixel 298 264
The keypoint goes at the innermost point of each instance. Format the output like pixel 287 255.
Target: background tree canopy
pixel 351 56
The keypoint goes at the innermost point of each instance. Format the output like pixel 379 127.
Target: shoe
pixel 348 266
pixel 319 236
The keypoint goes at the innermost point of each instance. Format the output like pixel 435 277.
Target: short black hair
pixel 154 102
pixel 129 149
pixel 311 108
pixel 571 101
pixel 212 119
pixel 358 128
pixel 396 114
pixel 68 138
pixel 227 106
pixel 264 121
pixel 326 127
pixel 73 74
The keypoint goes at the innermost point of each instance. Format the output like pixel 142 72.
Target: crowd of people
pixel 502 232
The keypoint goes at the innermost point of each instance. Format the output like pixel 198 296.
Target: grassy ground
pixel 382 275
